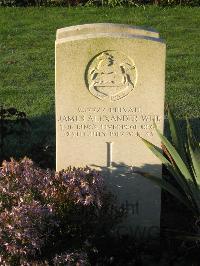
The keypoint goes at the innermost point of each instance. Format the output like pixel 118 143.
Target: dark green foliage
pixel 43 153
pixel 103 3
pixel 26 3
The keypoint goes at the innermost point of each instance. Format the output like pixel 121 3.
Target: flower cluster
pixel 20 182
pixel 82 186
pixel 24 180
pixel 30 202
pixel 25 228
pixel 77 258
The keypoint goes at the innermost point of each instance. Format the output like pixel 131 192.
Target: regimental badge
pixel 111 75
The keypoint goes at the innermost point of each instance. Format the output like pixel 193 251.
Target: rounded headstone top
pixel 105 28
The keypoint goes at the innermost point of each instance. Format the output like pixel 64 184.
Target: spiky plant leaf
pixel 182 182
pixel 176 157
pixel 195 196
pixel 188 237
pixel 185 171
pixel 183 164
pixel 176 135
pixel 162 183
pixel 194 153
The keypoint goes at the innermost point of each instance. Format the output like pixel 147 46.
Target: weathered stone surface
pixel 105 28
pixel 109 89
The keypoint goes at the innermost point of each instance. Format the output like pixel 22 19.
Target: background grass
pixel 27 38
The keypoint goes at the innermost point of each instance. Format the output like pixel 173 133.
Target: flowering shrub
pixel 24 229
pixel 40 209
pixel 23 180
pixel 77 185
pixel 77 258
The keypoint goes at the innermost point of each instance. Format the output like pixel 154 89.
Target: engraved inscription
pixel 111 75
pixel 108 122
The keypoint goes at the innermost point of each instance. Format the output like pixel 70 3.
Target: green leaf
pixel 194 153
pixel 176 157
pixel 179 178
pixel 184 235
pixel 168 187
pixel 194 194
pixel 189 237
pixel 176 135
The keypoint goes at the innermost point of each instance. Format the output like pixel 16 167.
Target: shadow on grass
pixel 38 143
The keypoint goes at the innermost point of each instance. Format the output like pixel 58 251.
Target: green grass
pixel 27 38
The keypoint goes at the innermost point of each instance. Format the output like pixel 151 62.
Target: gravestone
pixel 110 83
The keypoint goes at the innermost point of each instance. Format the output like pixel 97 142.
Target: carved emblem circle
pixel 111 75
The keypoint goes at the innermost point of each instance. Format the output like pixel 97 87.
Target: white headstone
pixel 110 82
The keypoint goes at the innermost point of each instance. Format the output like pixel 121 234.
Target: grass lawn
pixel 27 38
